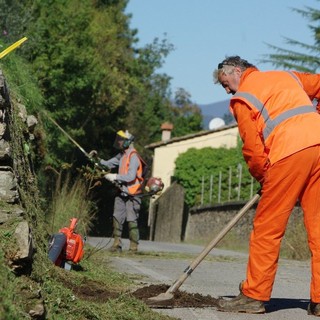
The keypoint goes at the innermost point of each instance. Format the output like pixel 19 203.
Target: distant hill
pixel 213 110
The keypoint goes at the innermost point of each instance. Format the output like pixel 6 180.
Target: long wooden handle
pixel 187 272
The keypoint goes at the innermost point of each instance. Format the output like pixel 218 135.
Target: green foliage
pixel 149 98
pixel 196 167
pixel 186 116
pixel 21 80
pixel 15 15
pixel 83 75
pixel 96 81
pixel 292 59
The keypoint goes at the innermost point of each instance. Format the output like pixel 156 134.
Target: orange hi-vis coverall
pixel 280 130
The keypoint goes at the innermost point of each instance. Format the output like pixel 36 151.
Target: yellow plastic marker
pixel 12 47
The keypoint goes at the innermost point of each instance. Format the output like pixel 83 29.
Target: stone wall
pixel 174 222
pixel 12 159
pixel 168 215
pixel 207 222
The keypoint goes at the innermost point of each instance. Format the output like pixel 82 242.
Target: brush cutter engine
pixel 154 185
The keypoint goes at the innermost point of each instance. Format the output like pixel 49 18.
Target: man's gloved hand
pixel 111 176
pixel 93 158
pixel 93 154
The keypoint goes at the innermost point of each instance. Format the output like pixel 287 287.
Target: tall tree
pixel 186 116
pixel 149 101
pixel 80 54
pixel 292 59
pixel 15 16
pixel 95 78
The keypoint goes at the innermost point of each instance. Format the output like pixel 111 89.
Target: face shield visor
pixel 122 140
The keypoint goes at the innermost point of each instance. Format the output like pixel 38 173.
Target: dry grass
pixel 294 244
pixel 70 200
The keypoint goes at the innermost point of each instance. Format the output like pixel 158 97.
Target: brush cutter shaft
pixel 176 285
pixel 67 135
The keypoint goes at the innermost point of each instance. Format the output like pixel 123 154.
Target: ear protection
pixel 128 141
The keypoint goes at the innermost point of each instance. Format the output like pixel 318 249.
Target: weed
pixel 70 199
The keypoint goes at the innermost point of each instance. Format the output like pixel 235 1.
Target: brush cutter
pixel 66 134
pixel 163 298
pixel 154 185
pixel 103 170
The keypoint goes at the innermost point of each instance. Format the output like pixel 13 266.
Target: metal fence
pixel 226 185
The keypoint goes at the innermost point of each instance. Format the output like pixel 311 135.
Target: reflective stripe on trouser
pixel 292 178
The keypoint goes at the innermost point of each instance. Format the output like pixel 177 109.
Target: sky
pixel 204 32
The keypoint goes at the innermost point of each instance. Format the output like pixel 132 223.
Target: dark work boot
pixel 117 232
pixel 314 309
pixel 241 303
pixel 133 236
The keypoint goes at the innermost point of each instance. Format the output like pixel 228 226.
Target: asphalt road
pixel 220 277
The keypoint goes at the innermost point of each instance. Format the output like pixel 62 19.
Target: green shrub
pixel 200 170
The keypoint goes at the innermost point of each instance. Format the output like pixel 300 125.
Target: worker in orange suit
pixel 280 130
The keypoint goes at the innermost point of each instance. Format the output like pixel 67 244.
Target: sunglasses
pixel 222 64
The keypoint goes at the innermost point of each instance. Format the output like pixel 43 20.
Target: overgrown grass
pixel 7 291
pixel 108 292
pixel 45 284
pixel 61 292
pixel 21 81
pixel 92 290
pixel 70 200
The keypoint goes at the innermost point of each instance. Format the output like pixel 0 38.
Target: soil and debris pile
pixel 95 291
pixel 181 299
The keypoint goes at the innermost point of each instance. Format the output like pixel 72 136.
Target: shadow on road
pixel 277 304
